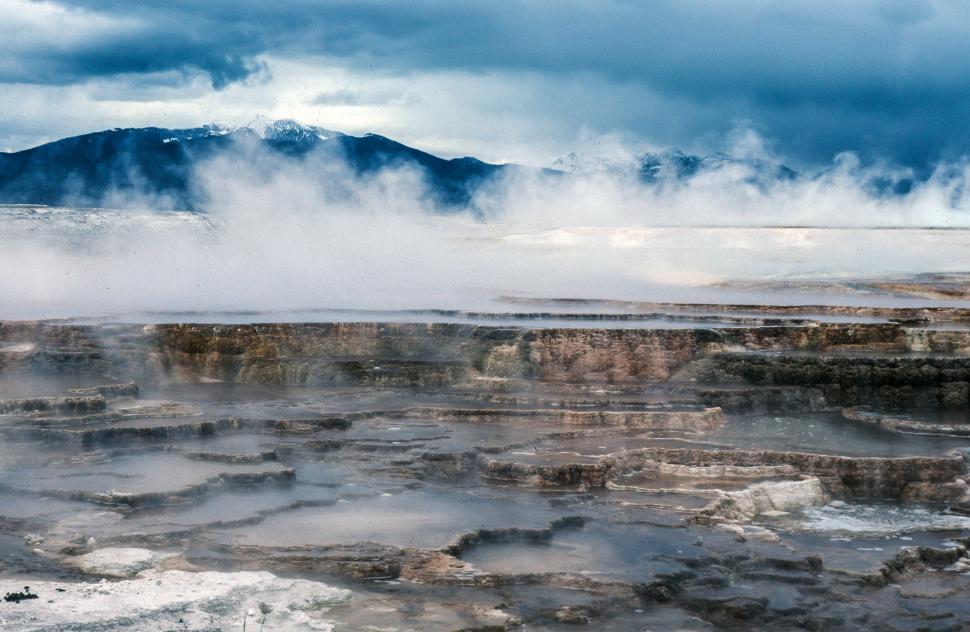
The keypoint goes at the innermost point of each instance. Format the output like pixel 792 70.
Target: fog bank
pixel 283 235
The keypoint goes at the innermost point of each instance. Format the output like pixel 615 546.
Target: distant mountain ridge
pixel 158 163
pixel 674 166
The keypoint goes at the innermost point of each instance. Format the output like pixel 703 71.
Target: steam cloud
pixel 310 234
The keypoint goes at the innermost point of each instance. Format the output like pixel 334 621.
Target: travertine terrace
pixel 644 466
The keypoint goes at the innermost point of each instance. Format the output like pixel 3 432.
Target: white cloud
pixel 492 116
pixel 28 27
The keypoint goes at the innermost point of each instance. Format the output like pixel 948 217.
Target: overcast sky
pixel 516 80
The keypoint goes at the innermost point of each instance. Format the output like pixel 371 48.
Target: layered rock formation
pixel 744 472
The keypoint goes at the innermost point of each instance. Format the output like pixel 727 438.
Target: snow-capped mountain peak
pixel 584 164
pixel 294 131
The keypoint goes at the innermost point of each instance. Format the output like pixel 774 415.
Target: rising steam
pixel 287 234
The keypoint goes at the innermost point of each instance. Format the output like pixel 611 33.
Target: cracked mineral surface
pixel 573 464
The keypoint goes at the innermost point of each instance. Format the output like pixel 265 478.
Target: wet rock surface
pixel 792 468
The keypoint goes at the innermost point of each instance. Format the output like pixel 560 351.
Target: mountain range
pixel 673 165
pixel 159 163
pixel 155 163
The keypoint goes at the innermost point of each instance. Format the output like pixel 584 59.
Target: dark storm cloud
pixel 884 78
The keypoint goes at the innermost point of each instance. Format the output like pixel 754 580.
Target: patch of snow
pixel 210 129
pixel 161 600
pixel 81 223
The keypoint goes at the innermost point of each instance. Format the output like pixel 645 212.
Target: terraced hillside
pixel 661 466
